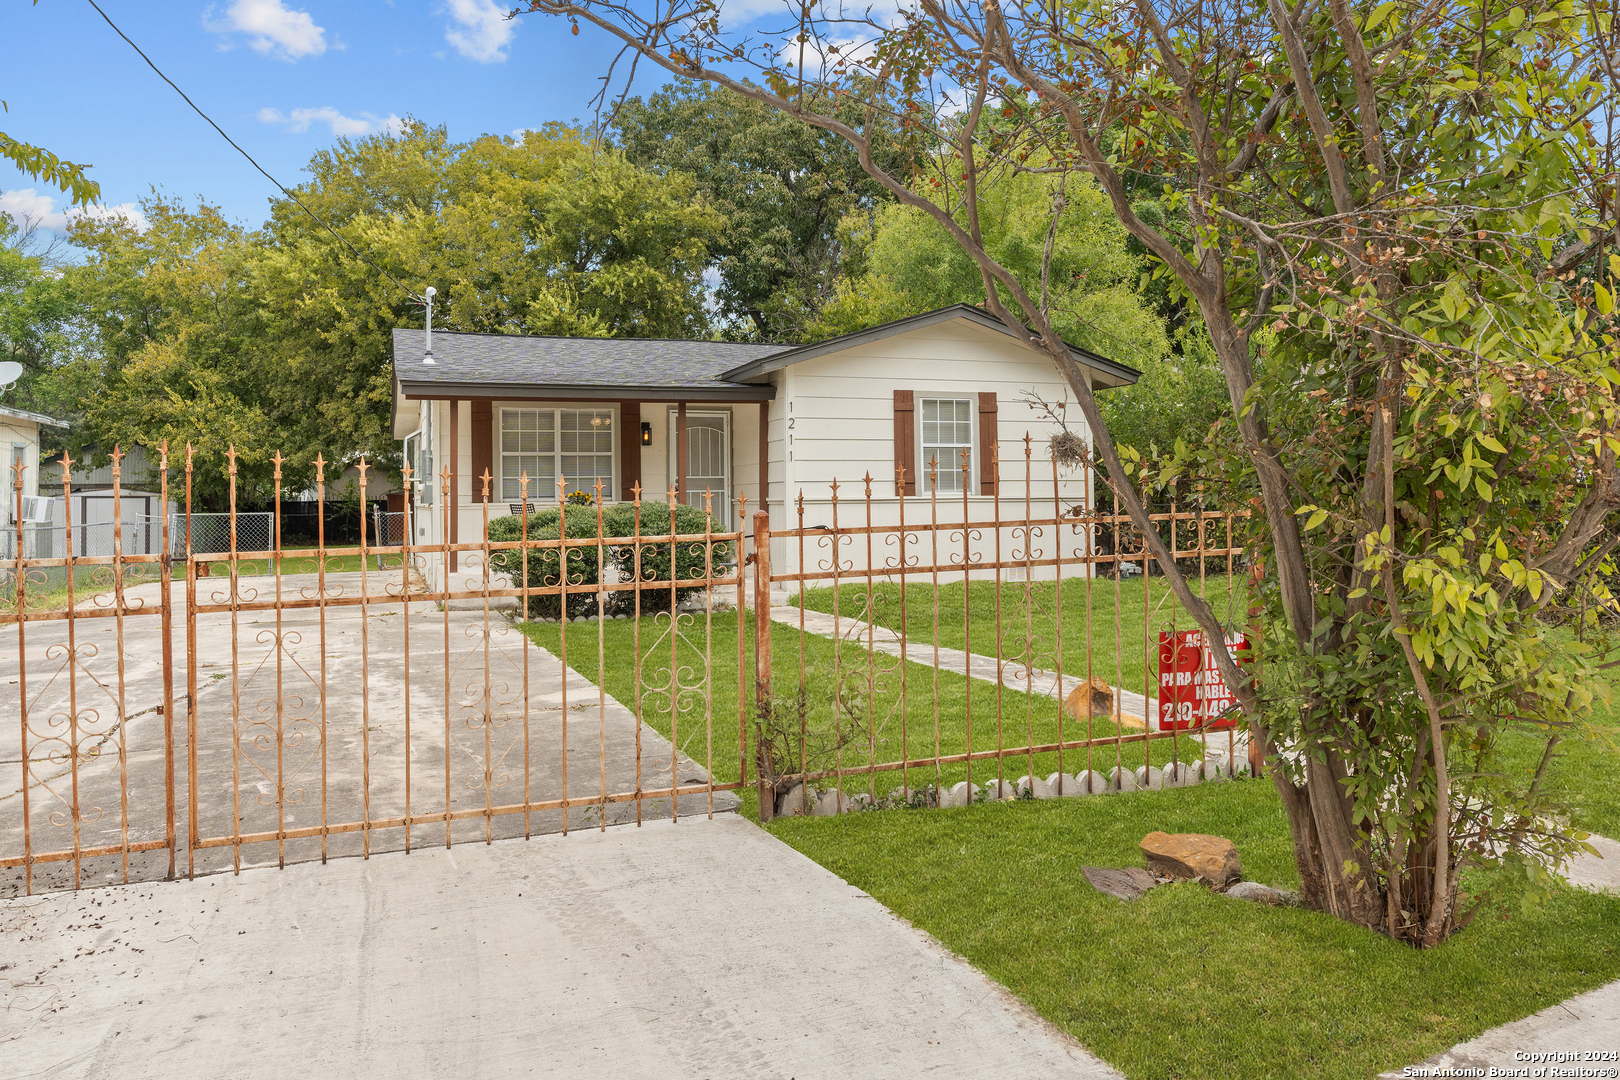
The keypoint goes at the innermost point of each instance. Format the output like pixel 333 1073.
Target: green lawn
pixel 298 561
pixel 51 593
pixel 1103 620
pixel 1182 983
pixel 869 687
pixel 1585 771
pixel 1185 983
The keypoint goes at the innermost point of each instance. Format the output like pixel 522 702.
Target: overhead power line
pixel 314 216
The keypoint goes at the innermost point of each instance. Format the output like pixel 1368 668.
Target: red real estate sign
pixel 1191 691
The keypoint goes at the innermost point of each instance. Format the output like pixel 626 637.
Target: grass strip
pixel 838 679
pixel 1185 983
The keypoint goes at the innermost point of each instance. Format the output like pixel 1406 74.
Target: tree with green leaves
pixel 278 340
pixel 1058 237
pixel 1397 224
pixel 38 328
pixel 782 189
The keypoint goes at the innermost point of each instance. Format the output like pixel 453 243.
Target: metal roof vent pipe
pixel 429 293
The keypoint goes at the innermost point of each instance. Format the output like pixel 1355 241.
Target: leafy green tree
pixel 278 340
pixel 1396 222
pixel 177 354
pixel 1058 237
pixel 781 187
pixel 37 320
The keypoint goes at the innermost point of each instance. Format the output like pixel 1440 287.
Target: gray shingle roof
pixel 464 362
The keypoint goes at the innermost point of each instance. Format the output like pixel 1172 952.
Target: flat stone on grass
pixel 1260 894
pixel 1193 855
pixel 1128 883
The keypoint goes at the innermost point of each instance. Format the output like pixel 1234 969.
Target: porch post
pixel 455 479
pixel 629 448
pixel 765 455
pixel 680 452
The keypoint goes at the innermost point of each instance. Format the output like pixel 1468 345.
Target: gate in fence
pixel 206 710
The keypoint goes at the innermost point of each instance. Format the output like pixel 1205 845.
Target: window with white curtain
pixel 576 444
pixel 947 431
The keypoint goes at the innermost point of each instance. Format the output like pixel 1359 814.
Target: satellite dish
pixel 10 372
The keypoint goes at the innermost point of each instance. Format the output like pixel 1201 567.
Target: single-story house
pixel 19 435
pixel 774 422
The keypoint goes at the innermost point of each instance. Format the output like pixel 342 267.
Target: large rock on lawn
pixel 1191 855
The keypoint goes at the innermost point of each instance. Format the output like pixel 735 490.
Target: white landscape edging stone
pixel 828 803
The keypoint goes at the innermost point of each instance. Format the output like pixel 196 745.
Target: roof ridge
pixel 564 337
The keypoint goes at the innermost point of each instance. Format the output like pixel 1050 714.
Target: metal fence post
pixel 762 659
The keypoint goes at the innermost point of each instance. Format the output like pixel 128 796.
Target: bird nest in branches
pixel 1068 449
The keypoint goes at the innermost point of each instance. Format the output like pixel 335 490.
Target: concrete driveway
pixel 487 714
pixel 700 949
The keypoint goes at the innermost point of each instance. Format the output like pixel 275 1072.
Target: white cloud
pixel 299 120
pixel 482 30
pixel 272 28
pixel 26 206
pixel 820 55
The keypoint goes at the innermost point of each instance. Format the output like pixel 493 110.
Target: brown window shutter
pixel 905 437
pixel 483 449
pixel 987 443
pixel 629 448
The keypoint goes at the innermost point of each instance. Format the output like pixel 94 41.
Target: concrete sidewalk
pixel 1570 1030
pixel 700 949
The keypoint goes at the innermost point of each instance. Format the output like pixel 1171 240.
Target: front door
pixel 708 461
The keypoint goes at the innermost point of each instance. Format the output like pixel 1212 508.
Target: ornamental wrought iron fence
pixel 183 710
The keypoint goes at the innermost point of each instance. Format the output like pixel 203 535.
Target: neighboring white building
pixel 763 420
pixel 19 440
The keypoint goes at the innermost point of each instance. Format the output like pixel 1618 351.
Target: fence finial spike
pixel 635 491
pixel 276 461
pixel 486 479
pixel 320 468
pixel 163 455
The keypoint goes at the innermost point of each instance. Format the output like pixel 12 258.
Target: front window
pixel 576 444
pixel 947 438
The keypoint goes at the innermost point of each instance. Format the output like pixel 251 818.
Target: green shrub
pixel 584 569
pixel 618 522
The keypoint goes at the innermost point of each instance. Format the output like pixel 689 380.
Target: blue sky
pixel 282 78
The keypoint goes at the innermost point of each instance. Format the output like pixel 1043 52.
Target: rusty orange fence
pixel 189 713
pixel 1041 615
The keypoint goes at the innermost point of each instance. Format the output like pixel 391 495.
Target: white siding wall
pixel 839 425
pixel 25 433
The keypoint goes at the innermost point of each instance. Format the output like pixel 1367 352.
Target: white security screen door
pixel 708 461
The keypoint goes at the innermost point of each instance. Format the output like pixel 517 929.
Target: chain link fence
pixel 212 532
pixel 141 536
